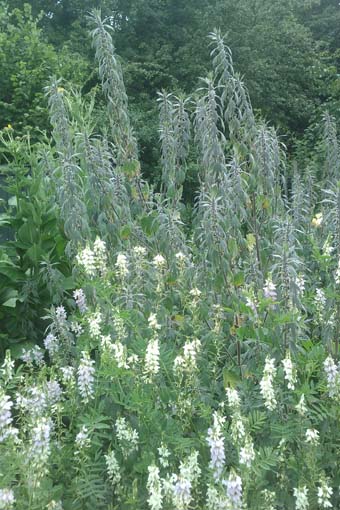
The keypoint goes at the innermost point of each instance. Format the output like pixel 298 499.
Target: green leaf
pixel 10 303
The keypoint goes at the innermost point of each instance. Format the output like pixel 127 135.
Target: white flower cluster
pixel 7 499
pixel 119 327
pixel 80 299
pixel 118 351
pixel 54 505
pixel 6 429
pixel 215 440
pixel 93 261
pixel 234 491
pixel 312 436
pixel 266 384
pixel 153 323
pixel 195 294
pixel 247 452
pixel 40 449
pixel 82 440
pixel 337 274
pixel 231 499
pixel 86 377
pixel 159 262
pixel 324 495
pixel 301 496
pixel 7 368
pixel 189 473
pixel 113 469
pixel 181 260
pixel 67 375
pixel 127 437
pixel 238 432
pixel 60 314
pixel 187 362
pixel 122 266
pixel 332 372
pixel 34 355
pixel 164 455
pixel 53 392
pixel 94 321
pixel 154 487
pixel 33 402
pixel 301 407
pixel 151 363
pixel 51 344
pixel 290 372
pixel 320 302
pixel 300 283
pixel 139 251
pixel 269 290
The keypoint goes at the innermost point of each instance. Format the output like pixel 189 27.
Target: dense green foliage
pixel 287 51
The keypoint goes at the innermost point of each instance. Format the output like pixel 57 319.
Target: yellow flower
pixel 60 90
pixel 317 220
pixel 9 126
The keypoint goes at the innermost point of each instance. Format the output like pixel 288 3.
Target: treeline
pixel 287 51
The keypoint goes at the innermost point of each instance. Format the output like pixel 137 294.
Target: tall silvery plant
pixel 175 140
pixel 68 175
pixel 111 76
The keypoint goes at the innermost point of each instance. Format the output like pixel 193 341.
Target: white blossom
pixel 67 374
pixel 100 255
pixel 301 406
pixel 80 299
pixel 333 376
pixel 154 487
pixel 33 401
pixel 153 324
pixel 34 355
pixel 7 499
pixel 195 292
pixel 7 368
pixel 215 440
pixel 51 344
pixel 151 364
pixel 247 453
pixel 113 469
pixel 269 290
pixel 122 265
pixel 86 259
pixel 233 399
pixel 53 392
pixel 86 377
pixel 6 429
pixel 234 491
pixel 300 495
pixel 188 361
pixel 312 436
pixel 324 495
pixel 94 322
pixel 140 251
pixel 266 384
pixel 300 283
pixel 164 455
pixel 159 262
pixel 290 372
pixel 40 449
pixel 82 440
pixel 127 436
